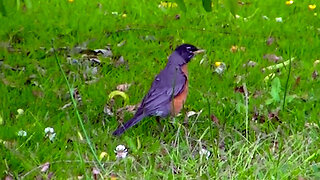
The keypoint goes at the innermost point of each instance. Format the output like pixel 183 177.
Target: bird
pixel 168 91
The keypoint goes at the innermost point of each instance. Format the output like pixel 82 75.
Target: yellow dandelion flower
pixel 168 4
pixel 289 3
pixel 312 6
pixel 70 1
pixel 124 15
pixel 217 64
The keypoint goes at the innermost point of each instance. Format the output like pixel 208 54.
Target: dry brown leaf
pixel 95 172
pixel 270 41
pixel 239 89
pixel 250 64
pixel 272 57
pixel 233 49
pixel 50 175
pixel 45 167
pixel 128 108
pixel 214 119
pixel 274 116
pixel 8 177
pixel 315 74
pixel 107 110
pixel 123 87
pixel 38 93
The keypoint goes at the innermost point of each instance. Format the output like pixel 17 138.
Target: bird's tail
pixel 128 124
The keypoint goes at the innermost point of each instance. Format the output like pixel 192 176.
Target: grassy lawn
pixel 256 122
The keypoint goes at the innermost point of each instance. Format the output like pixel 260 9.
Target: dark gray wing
pixel 169 83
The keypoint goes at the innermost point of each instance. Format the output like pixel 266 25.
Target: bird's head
pixel 187 51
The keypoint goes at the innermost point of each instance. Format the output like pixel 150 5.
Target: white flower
pixel 22 133
pixel 279 19
pixel 265 17
pixel 204 152
pixel 220 67
pixel 121 151
pixel 49 131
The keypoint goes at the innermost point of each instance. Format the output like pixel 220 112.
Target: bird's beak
pixel 199 51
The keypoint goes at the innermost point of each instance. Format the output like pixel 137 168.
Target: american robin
pixel 169 89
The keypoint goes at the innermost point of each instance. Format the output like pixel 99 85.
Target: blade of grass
pixel 77 112
pixel 2 8
pixel 287 82
pixel 182 5
pixel 207 5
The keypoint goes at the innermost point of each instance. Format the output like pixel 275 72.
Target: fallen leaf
pixel 214 119
pixel 128 108
pixel 45 167
pixel 113 177
pixel 107 110
pixel 233 49
pixel 257 117
pixel 38 93
pixel 77 95
pixel 297 82
pixel 250 64
pixel 95 172
pixel 9 177
pixel 120 62
pixel 257 94
pixel 239 89
pixel 315 74
pixel 123 87
pixel 270 41
pixel 272 57
pixel 274 116
pixel 50 175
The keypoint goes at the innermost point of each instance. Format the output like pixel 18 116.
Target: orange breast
pixel 180 99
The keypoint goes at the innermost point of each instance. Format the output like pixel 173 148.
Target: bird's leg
pixel 160 127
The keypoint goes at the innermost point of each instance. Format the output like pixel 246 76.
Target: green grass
pixel 285 147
